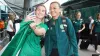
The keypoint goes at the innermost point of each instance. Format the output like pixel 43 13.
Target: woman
pixel 27 40
pixel 56 39
pixel 96 27
pixel 79 25
pixel 10 28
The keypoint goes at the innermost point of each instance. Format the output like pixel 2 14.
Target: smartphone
pixel 31 14
pixel 30 17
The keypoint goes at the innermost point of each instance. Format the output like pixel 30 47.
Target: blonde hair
pixel 12 16
pixel 77 12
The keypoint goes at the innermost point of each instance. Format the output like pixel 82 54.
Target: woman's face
pixel 55 10
pixel 40 12
pixel 78 16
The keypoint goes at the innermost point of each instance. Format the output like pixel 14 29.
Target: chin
pixel 40 17
pixel 53 15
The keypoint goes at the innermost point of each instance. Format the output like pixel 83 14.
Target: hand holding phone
pixel 30 17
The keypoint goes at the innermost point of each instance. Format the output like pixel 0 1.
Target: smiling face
pixel 40 12
pixel 55 10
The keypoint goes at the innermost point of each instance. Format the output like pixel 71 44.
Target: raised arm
pixel 39 30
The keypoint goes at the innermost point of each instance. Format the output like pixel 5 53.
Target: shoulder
pixel 81 20
pixel 96 20
pixel 68 20
pixel 10 21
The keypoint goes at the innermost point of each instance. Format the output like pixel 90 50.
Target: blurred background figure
pixel 17 22
pixel 2 25
pixel 91 20
pixel 79 25
pixel 10 28
pixel 96 27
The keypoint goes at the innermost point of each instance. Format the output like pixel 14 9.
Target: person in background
pixel 79 25
pixel 2 26
pixel 57 41
pixel 96 27
pixel 10 28
pixel 91 21
pixel 17 22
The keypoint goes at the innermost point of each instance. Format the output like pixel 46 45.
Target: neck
pixel 38 21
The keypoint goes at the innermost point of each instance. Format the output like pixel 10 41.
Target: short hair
pixel 56 3
pixel 77 12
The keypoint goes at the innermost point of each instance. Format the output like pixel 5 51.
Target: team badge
pixel 61 26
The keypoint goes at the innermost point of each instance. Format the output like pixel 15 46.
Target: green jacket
pixel 63 42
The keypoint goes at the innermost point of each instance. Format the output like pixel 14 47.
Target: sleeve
pixel 83 22
pixel 72 36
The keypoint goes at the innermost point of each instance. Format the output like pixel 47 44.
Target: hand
pixel 13 30
pixel 30 18
pixel 33 26
pixel 80 31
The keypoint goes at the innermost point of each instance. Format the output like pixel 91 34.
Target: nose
pixel 40 11
pixel 51 10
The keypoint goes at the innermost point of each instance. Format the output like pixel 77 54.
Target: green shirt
pixel 97 26
pixel 77 24
pixel 31 46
